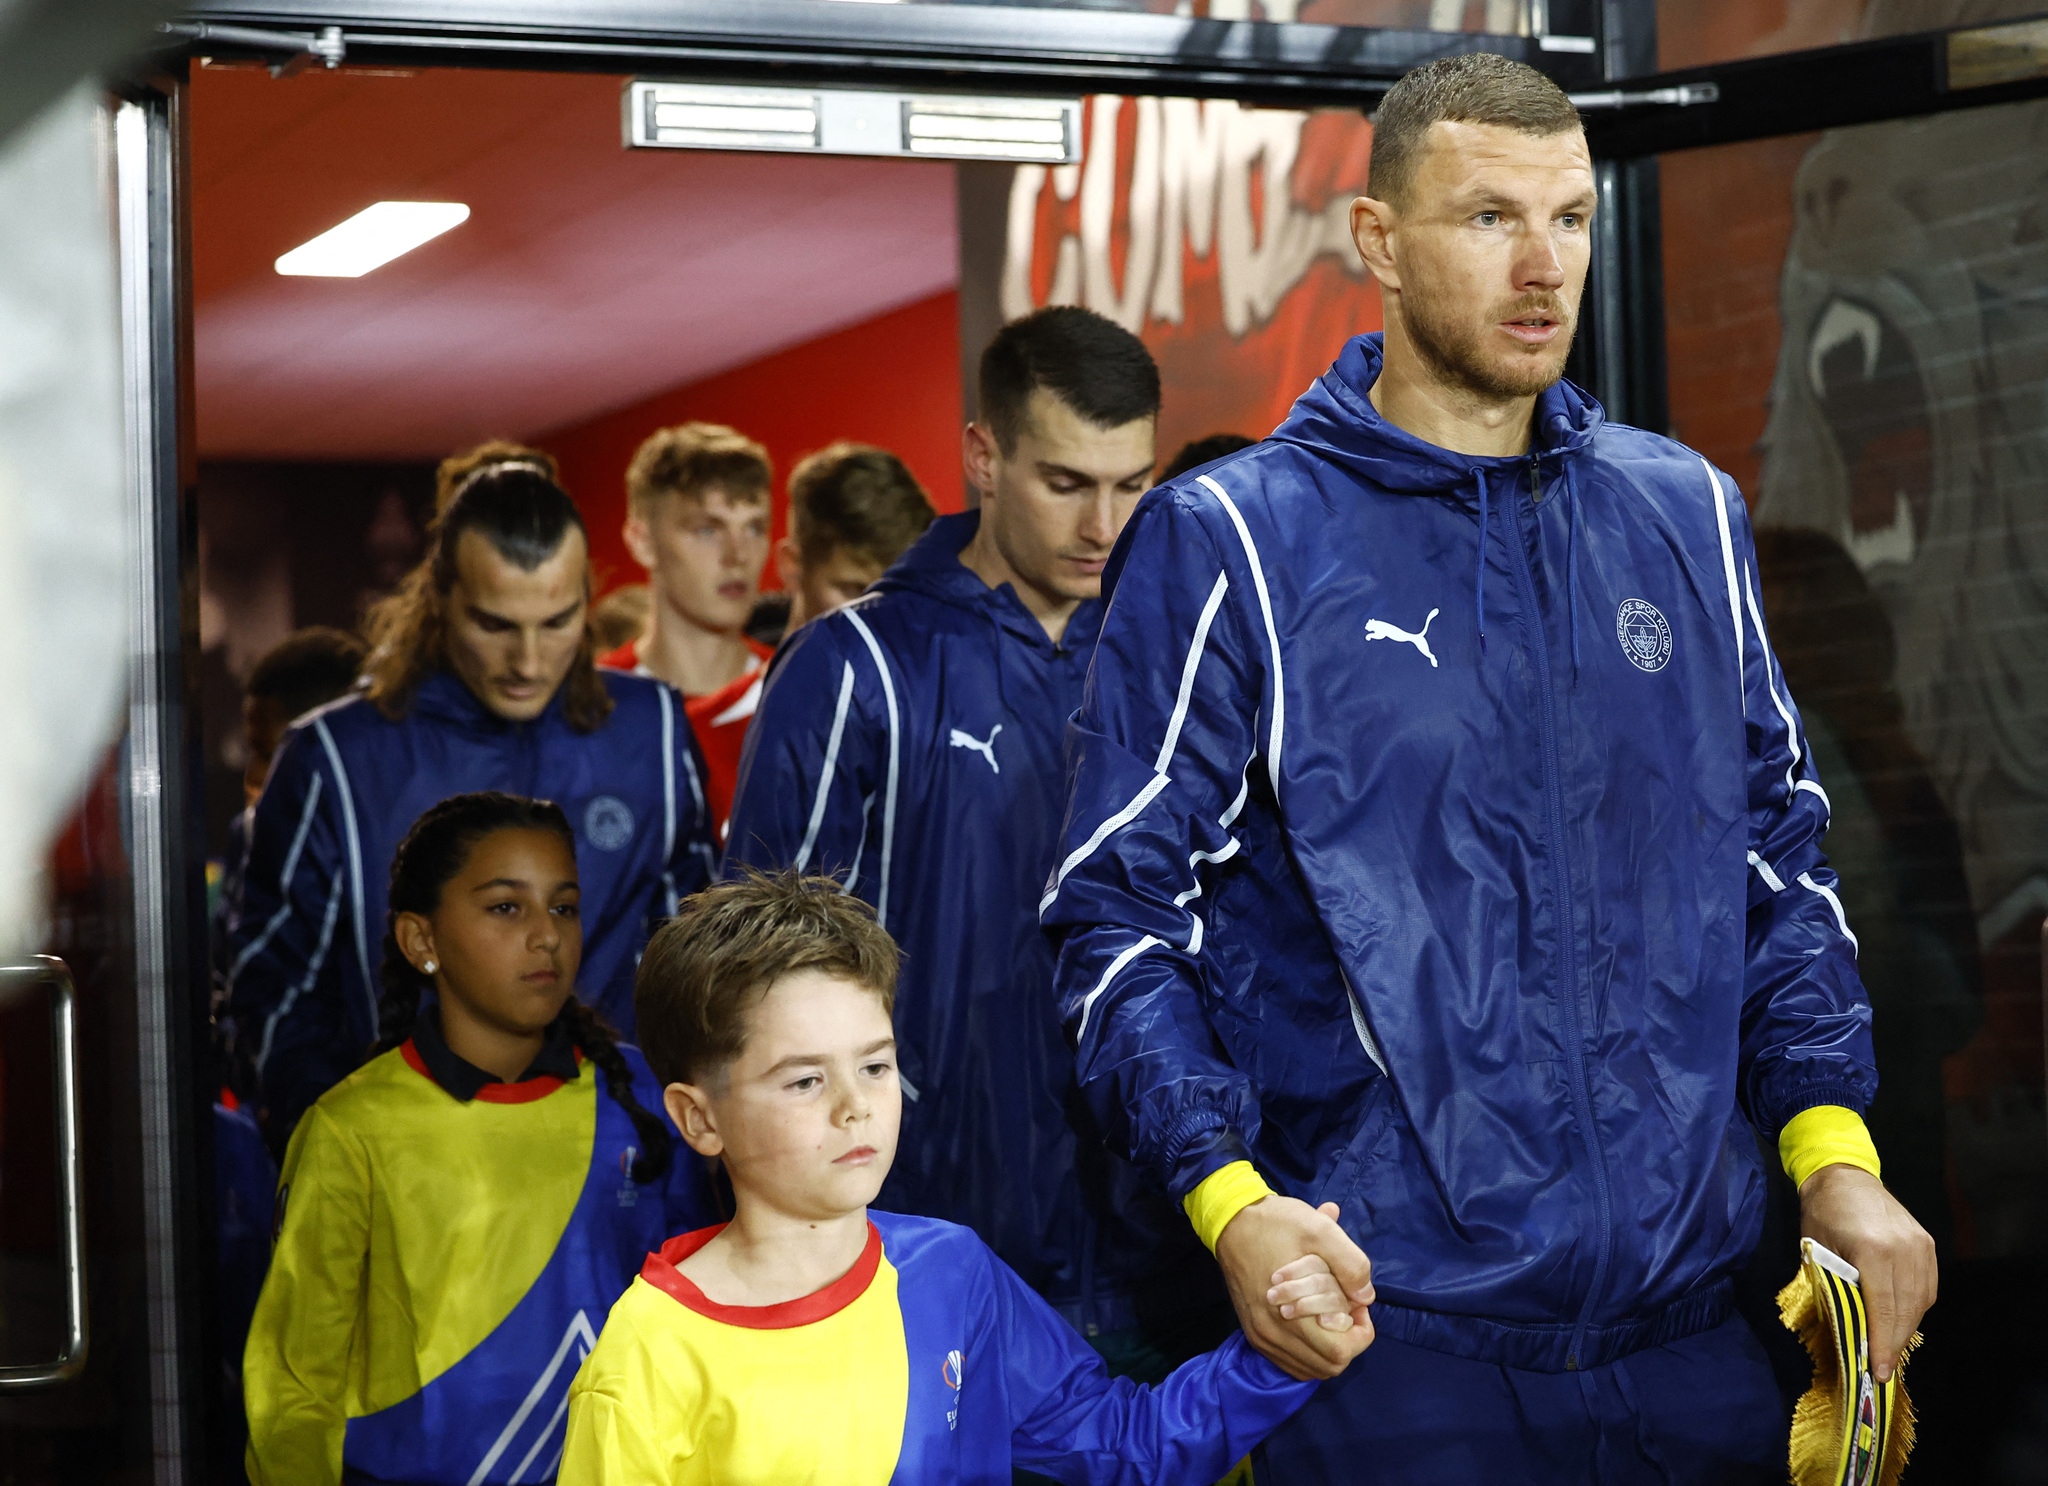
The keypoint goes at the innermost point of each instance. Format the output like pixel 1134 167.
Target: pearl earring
pixel 429 968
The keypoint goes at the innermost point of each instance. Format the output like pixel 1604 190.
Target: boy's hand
pixel 1307 1288
pixel 1262 1251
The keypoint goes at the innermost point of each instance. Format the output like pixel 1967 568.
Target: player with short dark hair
pixel 1080 359
pixel 910 745
pixel 479 676
pixel 1443 841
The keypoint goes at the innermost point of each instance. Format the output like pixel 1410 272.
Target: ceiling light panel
pixel 845 121
pixel 372 238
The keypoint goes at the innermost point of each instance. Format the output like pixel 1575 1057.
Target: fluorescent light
pixel 990 149
pixel 712 116
pixel 851 121
pixel 996 131
pixel 371 238
pixel 989 129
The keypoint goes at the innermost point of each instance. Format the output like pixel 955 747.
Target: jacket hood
pixel 444 696
pixel 932 567
pixel 1336 419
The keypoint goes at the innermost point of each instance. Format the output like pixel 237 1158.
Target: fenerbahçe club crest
pixel 1645 635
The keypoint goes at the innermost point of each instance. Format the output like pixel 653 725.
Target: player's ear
pixel 978 456
pixel 789 564
pixel 639 538
pixel 415 938
pixel 1372 233
pixel 689 1108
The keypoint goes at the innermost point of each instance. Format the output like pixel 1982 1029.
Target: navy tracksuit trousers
pixel 1704 1411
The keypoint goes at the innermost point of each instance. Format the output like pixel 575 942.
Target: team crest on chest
pixel 1645 634
pixel 607 823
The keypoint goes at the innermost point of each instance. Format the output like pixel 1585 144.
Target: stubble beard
pixel 1452 346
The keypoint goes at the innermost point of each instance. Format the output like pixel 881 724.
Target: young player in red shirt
pixel 697 520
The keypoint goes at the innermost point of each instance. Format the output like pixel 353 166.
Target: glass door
pixel 1854 314
pixel 105 1372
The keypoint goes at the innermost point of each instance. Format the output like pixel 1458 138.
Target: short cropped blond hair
pixel 691 458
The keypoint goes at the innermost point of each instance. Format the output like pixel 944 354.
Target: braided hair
pixel 433 853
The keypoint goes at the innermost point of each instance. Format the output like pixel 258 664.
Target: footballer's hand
pixel 1849 1210
pixel 1280 1254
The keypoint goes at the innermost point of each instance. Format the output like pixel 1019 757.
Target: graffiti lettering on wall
pixel 1220 234
pixel 1193 169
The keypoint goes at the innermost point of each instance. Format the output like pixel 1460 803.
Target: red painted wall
pixel 893 381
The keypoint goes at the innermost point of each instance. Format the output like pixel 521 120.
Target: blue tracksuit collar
pixel 443 696
pixel 932 567
pixel 1336 419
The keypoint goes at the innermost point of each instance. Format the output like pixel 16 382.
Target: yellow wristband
pixel 1221 1196
pixel 1826 1135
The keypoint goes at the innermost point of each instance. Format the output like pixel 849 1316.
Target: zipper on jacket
pixel 1568 929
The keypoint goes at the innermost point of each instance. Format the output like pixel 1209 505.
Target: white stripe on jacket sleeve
pixel 1841 919
pixel 1756 620
pixel 284 883
pixel 1188 668
pixel 1088 1001
pixel 825 772
pixel 1277 730
pixel 1727 566
pixel 355 865
pixel 889 787
pixel 1190 664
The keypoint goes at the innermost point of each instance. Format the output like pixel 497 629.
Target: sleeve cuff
pixel 1221 1196
pixel 1825 1135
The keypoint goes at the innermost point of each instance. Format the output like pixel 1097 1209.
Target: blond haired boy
pixel 812 1339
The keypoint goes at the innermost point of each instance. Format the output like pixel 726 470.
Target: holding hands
pixel 1301 1287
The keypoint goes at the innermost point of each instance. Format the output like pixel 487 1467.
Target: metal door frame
pixel 162 788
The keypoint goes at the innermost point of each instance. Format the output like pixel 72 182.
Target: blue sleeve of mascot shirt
pixel 929 1362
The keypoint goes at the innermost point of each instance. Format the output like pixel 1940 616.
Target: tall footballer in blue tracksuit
pixel 1443 842
pixel 911 745
pixel 480 677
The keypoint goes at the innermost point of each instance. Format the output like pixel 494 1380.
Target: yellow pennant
pixel 1849 1429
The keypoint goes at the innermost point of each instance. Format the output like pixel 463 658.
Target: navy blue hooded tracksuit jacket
pixel 1442 838
pixel 348 784
pixel 911 744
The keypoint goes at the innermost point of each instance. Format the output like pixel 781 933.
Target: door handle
pixel 50 971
